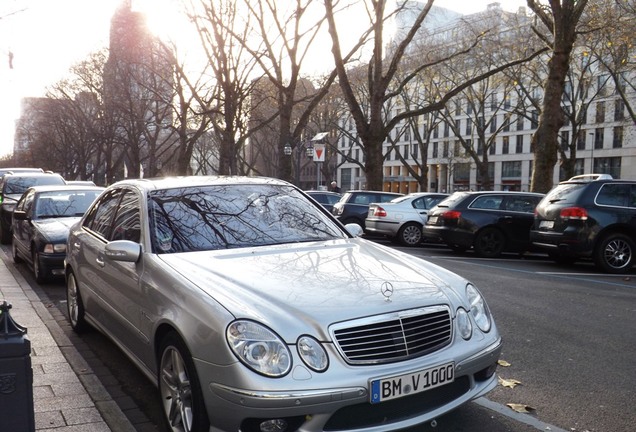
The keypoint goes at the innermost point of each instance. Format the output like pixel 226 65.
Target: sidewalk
pixel 68 396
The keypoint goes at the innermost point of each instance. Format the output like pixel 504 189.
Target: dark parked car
pixel 489 222
pixel 325 198
pixel 4 171
pixel 586 218
pixel 41 220
pixel 252 310
pixel 402 218
pixel 12 186
pixel 354 205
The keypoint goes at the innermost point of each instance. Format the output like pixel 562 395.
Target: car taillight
pixel 379 212
pixel 451 215
pixel 573 213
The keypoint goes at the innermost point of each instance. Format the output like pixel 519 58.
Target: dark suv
pixel 354 205
pixel 12 186
pixel 589 217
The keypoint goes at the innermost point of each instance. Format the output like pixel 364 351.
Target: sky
pixel 46 37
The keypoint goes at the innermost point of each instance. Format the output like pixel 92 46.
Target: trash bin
pixel 16 375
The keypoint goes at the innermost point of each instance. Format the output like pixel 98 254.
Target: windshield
pixel 234 216
pixel 19 185
pixel 63 203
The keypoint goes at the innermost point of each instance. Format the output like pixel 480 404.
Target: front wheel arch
pixel 179 386
pixel 614 253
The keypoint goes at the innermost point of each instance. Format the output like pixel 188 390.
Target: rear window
pixel 566 193
pixel 452 200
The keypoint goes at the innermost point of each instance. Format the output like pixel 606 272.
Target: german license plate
pixel 431 220
pixel 547 224
pixel 385 389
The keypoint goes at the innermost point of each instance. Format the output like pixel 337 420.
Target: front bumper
pixel 53 263
pixel 345 405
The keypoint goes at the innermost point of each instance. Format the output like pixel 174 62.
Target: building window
pixel 519 144
pixel 580 140
pixel 469 108
pixel 534 120
pixel 506 124
pixel 468 126
pixel 617 142
pixel 458 107
pixel 619 110
pixel 436 132
pixel 505 147
pixel 565 140
pixel 600 112
pixel 415 151
pixel 519 122
pixel 407 133
pixel 492 148
pixel 445 149
pixel 458 127
pixel 480 146
pixel 609 165
pixel 446 129
pixel 598 138
pixel 493 102
pixel 511 169
pixel 493 124
pixel 435 145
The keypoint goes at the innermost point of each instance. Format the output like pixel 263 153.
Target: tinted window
pixel 487 202
pixel 614 195
pixel 19 185
pixel 566 193
pixel 101 215
pixel 126 225
pixel 233 216
pixel 520 203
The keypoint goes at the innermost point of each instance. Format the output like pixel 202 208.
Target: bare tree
pixel 371 127
pixel 560 19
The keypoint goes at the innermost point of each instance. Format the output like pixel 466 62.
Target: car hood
pixel 55 229
pixel 316 284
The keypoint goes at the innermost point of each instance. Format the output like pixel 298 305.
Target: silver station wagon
pixel 253 310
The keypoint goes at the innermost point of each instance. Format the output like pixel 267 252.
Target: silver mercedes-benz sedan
pixel 254 310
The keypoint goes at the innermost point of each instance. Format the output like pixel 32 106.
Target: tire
pixel 14 254
pixel 41 273
pixel 489 243
pixel 615 254
pixel 179 387
pixel 75 305
pixel 410 234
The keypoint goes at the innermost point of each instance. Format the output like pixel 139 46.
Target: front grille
pixel 394 337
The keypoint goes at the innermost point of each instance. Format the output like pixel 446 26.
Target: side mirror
pixel 123 250
pixel 354 229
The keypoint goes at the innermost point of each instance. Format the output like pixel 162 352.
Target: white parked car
pixel 402 218
pixel 254 310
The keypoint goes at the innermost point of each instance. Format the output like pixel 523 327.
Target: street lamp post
pixel 592 152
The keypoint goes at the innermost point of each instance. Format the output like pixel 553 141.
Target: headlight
pixel 463 324
pixel 259 348
pixel 312 353
pixel 478 308
pixel 54 248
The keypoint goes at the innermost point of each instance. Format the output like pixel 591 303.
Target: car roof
pixel 500 193
pixel 30 174
pixel 56 188
pixel 149 184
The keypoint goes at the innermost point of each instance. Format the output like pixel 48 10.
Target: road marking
pixel 521 418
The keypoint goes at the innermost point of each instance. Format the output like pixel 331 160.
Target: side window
pixel 25 202
pixel 523 204
pixel 101 214
pixel 614 195
pixel 488 202
pixel 127 224
pixel 386 198
pixel 361 199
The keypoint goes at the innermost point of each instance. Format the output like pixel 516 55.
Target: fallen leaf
pixel 511 383
pixel 503 363
pixel 520 408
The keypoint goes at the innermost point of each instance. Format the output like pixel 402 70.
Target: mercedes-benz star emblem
pixel 387 290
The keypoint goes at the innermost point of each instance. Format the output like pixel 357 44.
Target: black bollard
pixel 16 375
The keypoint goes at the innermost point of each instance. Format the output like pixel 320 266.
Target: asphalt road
pixel 569 337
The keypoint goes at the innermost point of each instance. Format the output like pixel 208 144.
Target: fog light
pixel 275 425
